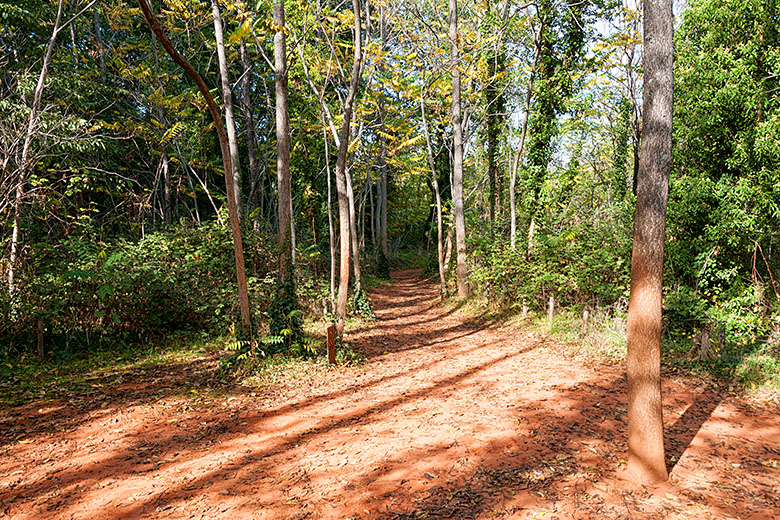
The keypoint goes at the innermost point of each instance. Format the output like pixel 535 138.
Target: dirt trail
pixel 451 417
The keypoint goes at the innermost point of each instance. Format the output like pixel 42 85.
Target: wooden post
pixel 525 309
pixel 585 316
pixel 40 339
pixel 331 344
pixel 551 311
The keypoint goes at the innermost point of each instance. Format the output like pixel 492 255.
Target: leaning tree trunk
pixel 227 98
pixel 227 164
pixel 341 178
pixel 646 462
pixel 457 162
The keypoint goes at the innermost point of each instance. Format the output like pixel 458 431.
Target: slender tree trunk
pixel 519 154
pixel 24 168
pixel 284 203
pixel 227 99
pixel 494 107
pixel 382 206
pixel 166 175
pixel 331 233
pixel 353 231
pixel 341 178
pixel 238 247
pixel 646 462
pixel 435 183
pixel 448 250
pixel 457 163
pixel 251 139
pixel 99 41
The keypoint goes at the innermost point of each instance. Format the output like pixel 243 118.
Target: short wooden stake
pixel 331 344
pixel 551 311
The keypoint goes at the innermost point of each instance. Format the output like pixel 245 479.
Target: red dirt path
pixel 451 417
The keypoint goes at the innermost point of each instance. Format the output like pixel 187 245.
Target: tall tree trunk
pixel 331 233
pixel 227 99
pixel 435 183
pixel 494 105
pixel 227 164
pixel 341 178
pixel 284 203
pixel 457 162
pixel 646 462
pixel 251 139
pixel 166 174
pixel 382 199
pixel 519 153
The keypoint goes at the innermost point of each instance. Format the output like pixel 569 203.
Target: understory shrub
pixel 88 291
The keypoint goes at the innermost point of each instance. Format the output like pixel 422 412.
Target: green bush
pixel 88 291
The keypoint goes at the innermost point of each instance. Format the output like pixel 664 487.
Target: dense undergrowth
pixel 728 330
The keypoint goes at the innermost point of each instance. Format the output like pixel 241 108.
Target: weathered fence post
pixel 331 344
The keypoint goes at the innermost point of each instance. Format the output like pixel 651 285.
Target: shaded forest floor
pixel 452 416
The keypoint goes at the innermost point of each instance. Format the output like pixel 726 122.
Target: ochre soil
pixel 451 417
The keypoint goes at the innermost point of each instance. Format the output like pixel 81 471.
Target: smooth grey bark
pixel 457 162
pixel 284 203
pixel 227 100
pixel 646 462
pixel 341 166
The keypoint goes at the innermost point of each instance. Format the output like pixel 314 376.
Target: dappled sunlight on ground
pixel 451 417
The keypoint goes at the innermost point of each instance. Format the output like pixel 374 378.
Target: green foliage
pixel 90 292
pixel 382 265
pixel 286 325
pixel 724 206
pixel 362 305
